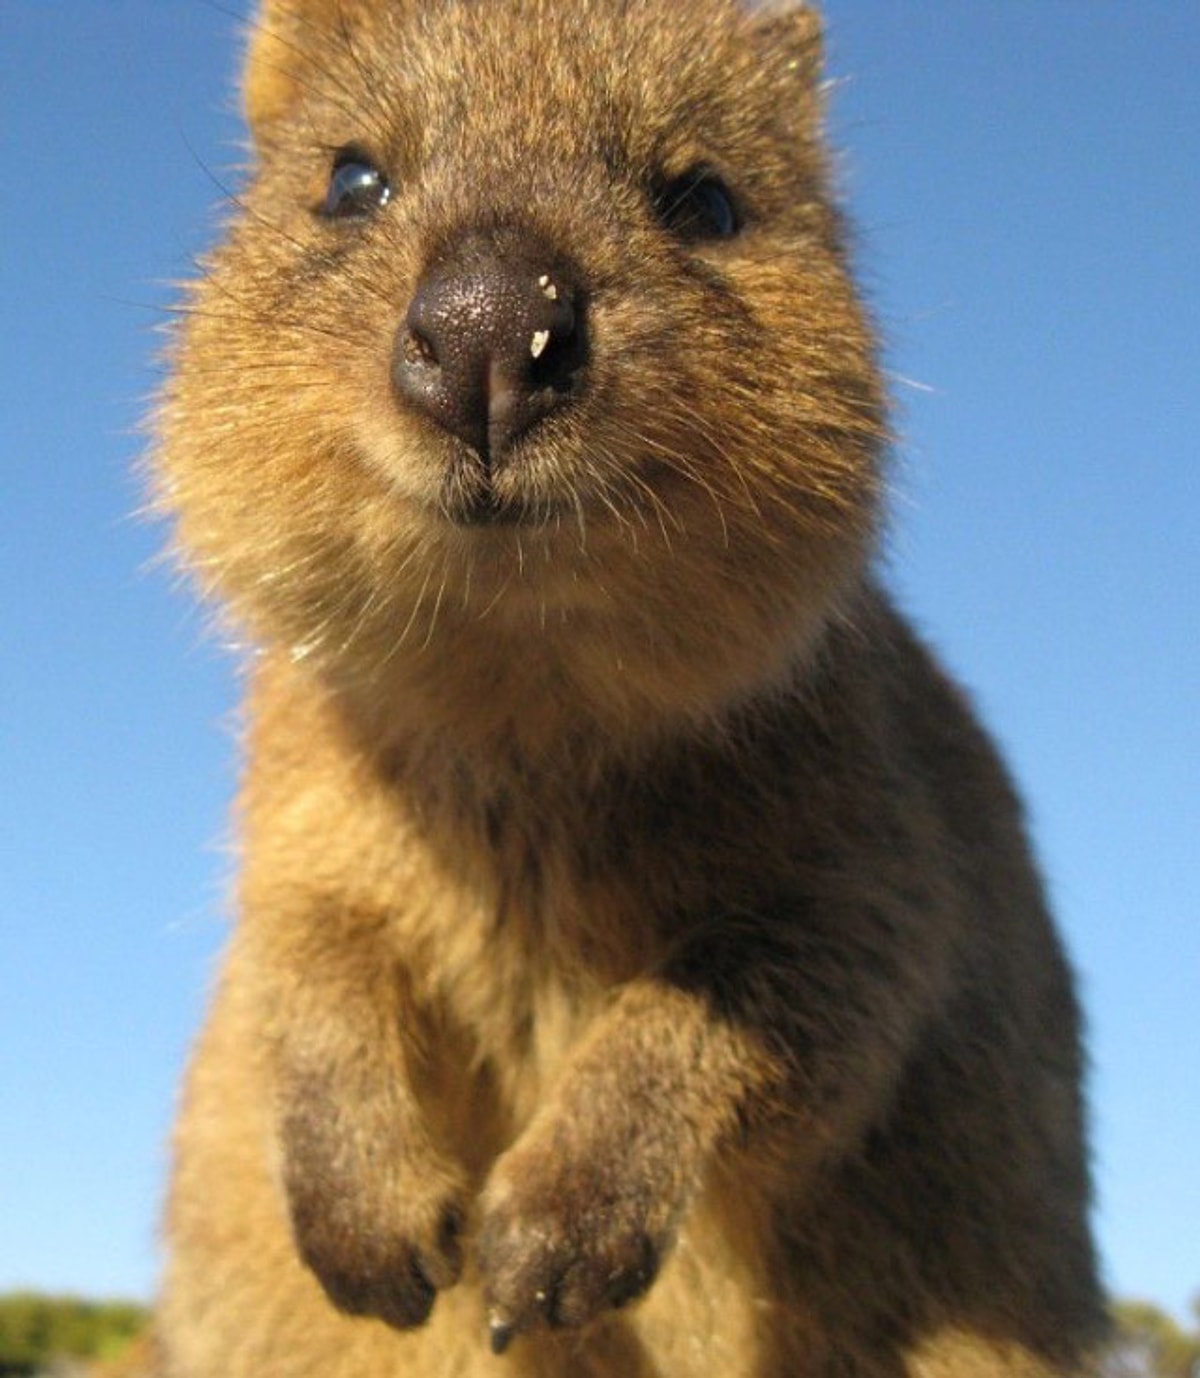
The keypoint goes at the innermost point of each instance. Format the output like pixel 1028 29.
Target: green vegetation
pixel 1150 1344
pixel 36 1331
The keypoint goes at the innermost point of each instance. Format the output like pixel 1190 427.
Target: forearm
pixel 376 1206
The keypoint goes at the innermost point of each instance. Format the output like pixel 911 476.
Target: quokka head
pixel 530 355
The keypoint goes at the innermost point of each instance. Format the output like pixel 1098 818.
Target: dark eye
pixel 356 187
pixel 697 206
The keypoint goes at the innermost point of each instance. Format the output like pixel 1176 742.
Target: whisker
pixel 437 604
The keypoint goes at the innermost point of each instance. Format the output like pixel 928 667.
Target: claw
pixel 501 1332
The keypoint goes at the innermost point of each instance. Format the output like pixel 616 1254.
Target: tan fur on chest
pixel 508 948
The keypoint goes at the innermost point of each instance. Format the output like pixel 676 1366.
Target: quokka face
pixel 531 315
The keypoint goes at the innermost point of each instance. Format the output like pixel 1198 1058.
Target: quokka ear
pixel 792 33
pixel 788 38
pixel 284 56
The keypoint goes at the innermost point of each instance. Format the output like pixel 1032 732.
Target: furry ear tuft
pixel 277 56
pixel 789 30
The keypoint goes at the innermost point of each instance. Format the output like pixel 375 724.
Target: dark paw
pixel 394 1278
pixel 560 1259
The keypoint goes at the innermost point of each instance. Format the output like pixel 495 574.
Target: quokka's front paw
pixel 566 1235
pixel 388 1258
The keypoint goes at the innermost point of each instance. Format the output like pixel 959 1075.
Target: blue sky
pixel 1026 180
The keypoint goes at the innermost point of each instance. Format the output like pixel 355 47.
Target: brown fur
pixel 638 941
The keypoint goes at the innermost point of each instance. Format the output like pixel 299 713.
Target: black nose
pixel 493 341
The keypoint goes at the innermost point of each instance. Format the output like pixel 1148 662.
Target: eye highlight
pixel 697 206
pixel 356 187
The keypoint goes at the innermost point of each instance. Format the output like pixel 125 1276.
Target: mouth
pixel 485 509
pixel 477 499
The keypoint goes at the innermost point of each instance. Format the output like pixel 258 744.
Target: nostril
pixel 556 347
pixel 419 349
pixel 549 354
pixel 419 344
pixel 550 316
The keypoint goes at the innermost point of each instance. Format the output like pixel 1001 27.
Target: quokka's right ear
pixel 283 58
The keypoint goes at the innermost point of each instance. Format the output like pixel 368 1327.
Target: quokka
pixel 640 968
